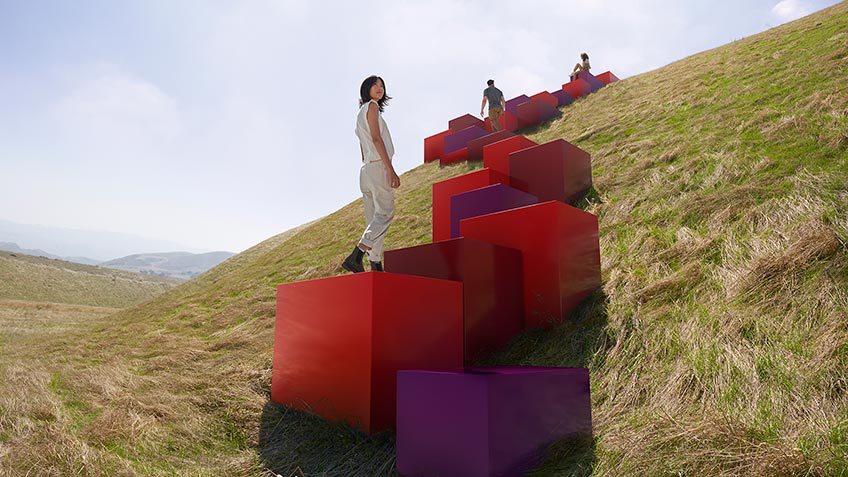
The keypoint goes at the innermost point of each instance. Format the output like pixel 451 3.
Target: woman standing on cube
pixel 377 177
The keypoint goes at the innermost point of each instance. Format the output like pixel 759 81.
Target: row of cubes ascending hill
pixel 508 253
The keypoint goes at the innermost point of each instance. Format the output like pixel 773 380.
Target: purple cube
pixel 487 421
pixel 511 105
pixel 595 83
pixel 486 200
pixel 563 98
pixel 459 139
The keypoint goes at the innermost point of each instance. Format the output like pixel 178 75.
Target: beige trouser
pixel 379 200
pixel 494 114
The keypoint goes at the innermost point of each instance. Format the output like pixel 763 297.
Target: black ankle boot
pixel 353 262
pixel 377 266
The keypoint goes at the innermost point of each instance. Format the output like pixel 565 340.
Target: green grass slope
pixel 30 278
pixel 718 344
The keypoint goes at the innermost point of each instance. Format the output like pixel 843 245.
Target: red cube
pixel 556 170
pixel 607 77
pixel 577 88
pixel 475 146
pixel 460 155
pixel 443 190
pixel 561 253
pixel 434 146
pixel 534 112
pixel 339 342
pixel 496 155
pixel 491 278
pixel 546 97
pixel 464 121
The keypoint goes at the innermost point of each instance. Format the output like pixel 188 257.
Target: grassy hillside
pixel 717 346
pixel 30 278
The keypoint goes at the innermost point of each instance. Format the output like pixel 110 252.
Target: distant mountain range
pixel 182 265
pixel 179 265
pixel 97 245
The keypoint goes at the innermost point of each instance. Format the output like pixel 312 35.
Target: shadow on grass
pixel 290 440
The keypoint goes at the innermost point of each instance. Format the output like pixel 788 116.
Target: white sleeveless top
pixel 363 132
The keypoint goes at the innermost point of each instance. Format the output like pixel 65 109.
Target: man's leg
pixel 494 114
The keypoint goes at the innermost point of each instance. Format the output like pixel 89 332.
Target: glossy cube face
pixel 464 121
pixel 487 421
pixel 486 200
pixel 434 146
pixel 577 88
pixel 444 190
pixel 560 248
pixel 496 155
pixel 556 170
pixel 339 342
pixel 475 146
pixel 491 282
pixel 459 139
pixel 607 77
pixel 534 112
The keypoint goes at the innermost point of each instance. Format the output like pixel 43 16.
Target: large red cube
pixel 556 170
pixel 464 121
pixel 434 146
pixel 577 88
pixel 561 253
pixel 607 77
pixel 534 112
pixel 491 278
pixel 475 146
pixel 339 342
pixel 496 155
pixel 443 190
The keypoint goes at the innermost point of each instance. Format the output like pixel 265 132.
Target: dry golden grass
pixel 718 345
pixel 29 278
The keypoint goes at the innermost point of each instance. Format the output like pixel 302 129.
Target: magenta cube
pixel 555 170
pixel 486 200
pixel 493 301
pixel 492 422
pixel 459 139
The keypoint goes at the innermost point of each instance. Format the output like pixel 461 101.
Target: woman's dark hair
pixel 365 92
pixel 584 56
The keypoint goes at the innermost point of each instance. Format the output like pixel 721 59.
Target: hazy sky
pixel 217 124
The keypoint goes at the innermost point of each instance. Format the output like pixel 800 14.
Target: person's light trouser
pixel 379 201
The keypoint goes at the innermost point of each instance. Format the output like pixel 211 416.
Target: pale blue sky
pixel 217 124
